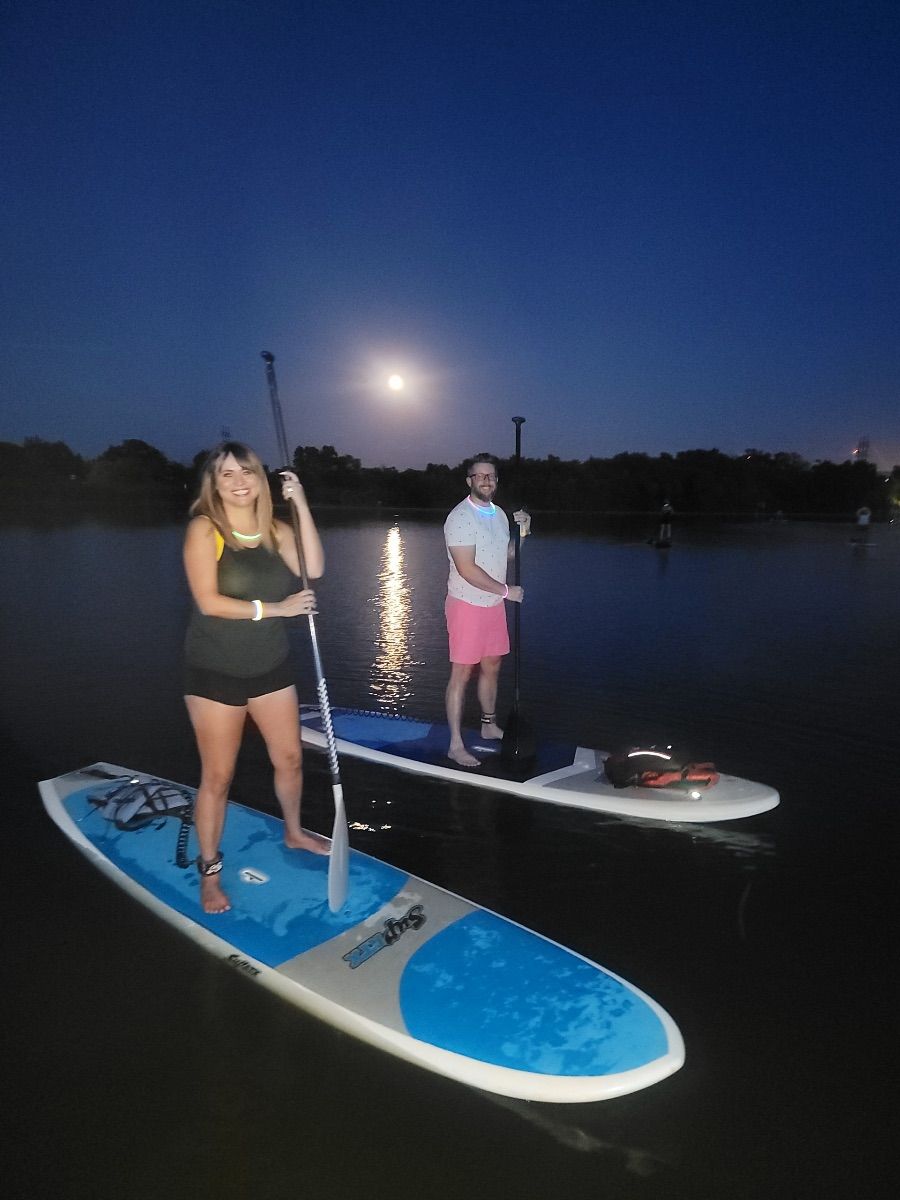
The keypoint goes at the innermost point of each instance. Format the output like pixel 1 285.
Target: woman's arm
pixel 313 551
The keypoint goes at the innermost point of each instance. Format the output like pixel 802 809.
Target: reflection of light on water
pixel 390 675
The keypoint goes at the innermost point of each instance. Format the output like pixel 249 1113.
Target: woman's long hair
pixel 209 502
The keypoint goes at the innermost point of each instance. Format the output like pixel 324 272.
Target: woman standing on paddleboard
pixel 242 568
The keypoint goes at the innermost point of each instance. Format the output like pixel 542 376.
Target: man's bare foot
pixel 462 758
pixel 491 731
pixel 212 898
pixel 308 841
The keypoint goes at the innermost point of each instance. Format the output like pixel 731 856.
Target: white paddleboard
pixel 560 774
pixel 406 966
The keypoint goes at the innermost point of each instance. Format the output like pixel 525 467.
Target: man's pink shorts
pixel 476 632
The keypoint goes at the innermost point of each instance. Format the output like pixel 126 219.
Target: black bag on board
pixel 658 767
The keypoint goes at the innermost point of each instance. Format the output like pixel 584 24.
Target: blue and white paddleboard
pixel 560 774
pixel 404 965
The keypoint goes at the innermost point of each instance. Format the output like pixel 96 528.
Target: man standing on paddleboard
pixel 476 533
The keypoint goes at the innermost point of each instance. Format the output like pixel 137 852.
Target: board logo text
pixel 392 932
pixel 242 964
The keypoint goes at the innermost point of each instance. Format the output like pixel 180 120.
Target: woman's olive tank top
pixel 243 648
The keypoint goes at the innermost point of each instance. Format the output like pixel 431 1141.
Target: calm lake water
pixel 138 1066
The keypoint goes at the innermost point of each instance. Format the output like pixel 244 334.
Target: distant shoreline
pixel 36 511
pixel 136 479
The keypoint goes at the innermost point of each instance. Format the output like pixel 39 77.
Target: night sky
pixel 641 225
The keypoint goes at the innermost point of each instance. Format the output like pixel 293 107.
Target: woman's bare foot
pixel 491 730
pixel 307 841
pixel 212 898
pixel 462 758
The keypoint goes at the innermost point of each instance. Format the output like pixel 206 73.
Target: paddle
pixel 519 743
pixel 338 865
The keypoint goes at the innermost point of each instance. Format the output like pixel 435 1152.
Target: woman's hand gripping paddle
pixel 338 862
pixel 519 743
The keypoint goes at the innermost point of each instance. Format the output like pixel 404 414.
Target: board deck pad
pixel 404 965
pixel 559 773
pixel 422 742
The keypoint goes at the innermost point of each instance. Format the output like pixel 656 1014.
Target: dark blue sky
pixel 641 225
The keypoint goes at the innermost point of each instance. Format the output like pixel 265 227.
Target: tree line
pixel 135 477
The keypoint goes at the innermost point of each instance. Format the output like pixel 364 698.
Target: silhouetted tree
pixel 44 459
pixel 135 464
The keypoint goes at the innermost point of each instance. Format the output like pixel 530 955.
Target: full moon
pixel 395 383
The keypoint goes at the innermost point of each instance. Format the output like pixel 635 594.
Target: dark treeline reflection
pixel 134 476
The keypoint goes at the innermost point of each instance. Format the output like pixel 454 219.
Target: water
pixel 139 1066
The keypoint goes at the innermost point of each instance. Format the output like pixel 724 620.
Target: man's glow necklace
pixel 482 510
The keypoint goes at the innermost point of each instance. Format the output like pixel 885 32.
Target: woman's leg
pixel 277 717
pixel 218 729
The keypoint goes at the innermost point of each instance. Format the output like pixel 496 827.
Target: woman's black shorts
pixel 229 689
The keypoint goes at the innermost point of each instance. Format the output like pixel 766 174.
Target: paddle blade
pixel 519 740
pixel 339 859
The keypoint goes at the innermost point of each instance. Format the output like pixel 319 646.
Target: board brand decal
pixel 392 932
pixel 251 875
pixel 242 964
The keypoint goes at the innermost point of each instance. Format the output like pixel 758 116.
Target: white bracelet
pixel 257 610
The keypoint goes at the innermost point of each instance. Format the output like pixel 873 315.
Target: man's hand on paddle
pixel 523 520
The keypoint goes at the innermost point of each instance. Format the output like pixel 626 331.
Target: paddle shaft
pixel 517 567
pixel 337 887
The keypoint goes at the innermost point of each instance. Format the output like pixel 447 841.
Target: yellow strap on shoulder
pixel 220 543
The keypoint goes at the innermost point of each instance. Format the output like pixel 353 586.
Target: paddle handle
pixel 284 454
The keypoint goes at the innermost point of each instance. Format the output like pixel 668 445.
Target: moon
pixel 396 383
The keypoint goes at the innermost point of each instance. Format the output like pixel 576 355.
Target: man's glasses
pixel 479 478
